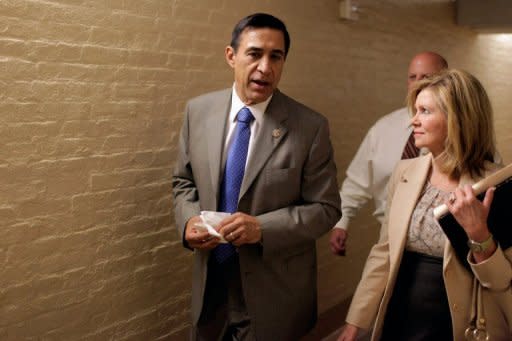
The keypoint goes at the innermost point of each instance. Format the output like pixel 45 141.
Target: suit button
pixel 455 307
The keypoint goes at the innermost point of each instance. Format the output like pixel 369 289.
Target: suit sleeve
pixel 370 290
pixel 319 208
pixel 495 273
pixel 186 198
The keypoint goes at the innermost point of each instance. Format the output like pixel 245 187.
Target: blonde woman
pixel 413 285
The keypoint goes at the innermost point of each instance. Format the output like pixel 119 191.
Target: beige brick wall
pixel 91 100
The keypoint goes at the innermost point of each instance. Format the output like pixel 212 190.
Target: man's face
pixel 257 63
pixel 422 66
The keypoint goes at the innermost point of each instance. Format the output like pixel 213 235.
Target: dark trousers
pixel 224 316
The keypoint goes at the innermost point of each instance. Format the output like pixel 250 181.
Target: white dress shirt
pixel 369 171
pixel 257 110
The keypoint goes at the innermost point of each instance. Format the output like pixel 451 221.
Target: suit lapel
pixel 273 130
pixel 406 195
pixel 215 134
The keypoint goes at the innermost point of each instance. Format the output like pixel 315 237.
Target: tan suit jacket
pixel 289 185
pixel 370 301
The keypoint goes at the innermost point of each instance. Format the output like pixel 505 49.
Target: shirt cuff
pixel 343 223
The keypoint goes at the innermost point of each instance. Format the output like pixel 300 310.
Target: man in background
pixel 254 152
pixel 387 141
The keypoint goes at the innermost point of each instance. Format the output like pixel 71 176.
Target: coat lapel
pixel 272 132
pixel 407 192
pixel 215 134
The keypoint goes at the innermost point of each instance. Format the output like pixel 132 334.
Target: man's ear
pixel 230 56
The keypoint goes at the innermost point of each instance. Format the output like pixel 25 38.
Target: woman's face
pixel 429 123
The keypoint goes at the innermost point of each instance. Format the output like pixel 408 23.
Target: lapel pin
pixel 276 132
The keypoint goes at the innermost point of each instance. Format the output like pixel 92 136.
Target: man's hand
pixel 197 238
pixel 348 333
pixel 240 228
pixel 338 241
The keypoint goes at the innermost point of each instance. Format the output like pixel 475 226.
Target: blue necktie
pixel 233 175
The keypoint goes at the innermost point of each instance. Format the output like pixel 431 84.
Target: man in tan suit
pixel 254 152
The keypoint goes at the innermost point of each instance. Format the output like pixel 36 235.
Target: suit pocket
pixel 282 176
pixel 300 256
pixel 300 268
pixel 283 185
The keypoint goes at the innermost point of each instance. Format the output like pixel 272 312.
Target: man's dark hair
pixel 260 20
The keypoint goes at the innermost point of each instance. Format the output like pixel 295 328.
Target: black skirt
pixel 418 309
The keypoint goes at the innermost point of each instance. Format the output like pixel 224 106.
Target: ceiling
pixel 485 15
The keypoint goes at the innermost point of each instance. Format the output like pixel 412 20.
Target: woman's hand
pixel 348 333
pixel 472 215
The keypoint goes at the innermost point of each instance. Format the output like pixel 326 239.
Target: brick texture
pixel 91 100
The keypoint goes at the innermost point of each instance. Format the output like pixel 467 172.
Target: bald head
pixel 424 64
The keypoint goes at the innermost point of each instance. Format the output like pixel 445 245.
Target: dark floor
pixel 329 322
pixel 326 328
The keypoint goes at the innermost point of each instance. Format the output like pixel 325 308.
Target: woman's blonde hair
pixel 471 139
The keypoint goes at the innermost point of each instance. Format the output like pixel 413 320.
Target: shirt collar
pixel 257 110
